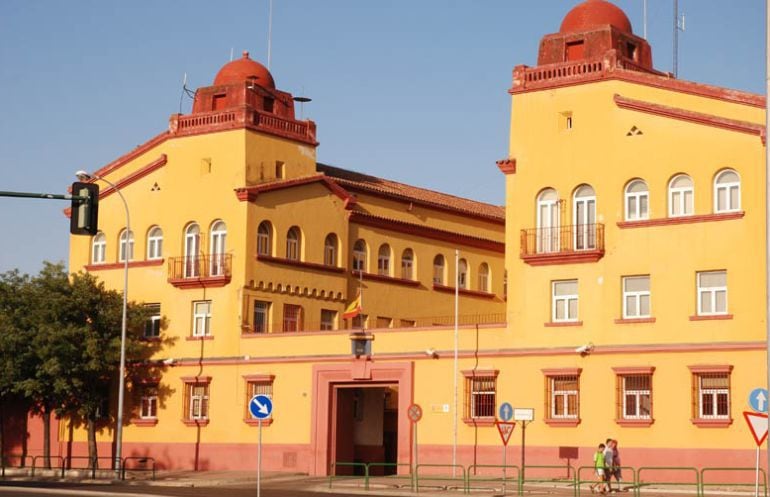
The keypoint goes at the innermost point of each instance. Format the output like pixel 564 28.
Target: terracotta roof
pixel 354 181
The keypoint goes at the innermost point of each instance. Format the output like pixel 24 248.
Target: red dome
pixel 593 14
pixel 238 71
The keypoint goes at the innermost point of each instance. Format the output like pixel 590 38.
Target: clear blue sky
pixel 412 90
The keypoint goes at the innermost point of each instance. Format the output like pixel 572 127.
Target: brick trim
pixel 143 422
pixel 635 423
pixel 562 423
pixel 668 221
pixel 196 422
pixel 629 370
pixel 559 324
pixel 711 368
pixel 561 371
pixel 121 265
pixel 507 166
pixel 385 279
pixel 484 421
pixel 462 291
pixel 300 264
pixel 634 320
pixel 711 423
pixel 716 317
pixel 563 258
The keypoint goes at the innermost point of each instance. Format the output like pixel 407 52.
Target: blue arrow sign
pixel 758 399
pixel 506 411
pixel 260 406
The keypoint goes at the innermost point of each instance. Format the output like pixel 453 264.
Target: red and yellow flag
pixel 353 309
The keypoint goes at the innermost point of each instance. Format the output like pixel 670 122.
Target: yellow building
pixel 635 265
pixel 248 251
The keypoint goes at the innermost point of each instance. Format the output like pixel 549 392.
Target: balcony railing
pixel 562 244
pixel 200 270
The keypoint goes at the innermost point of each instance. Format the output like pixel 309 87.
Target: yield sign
pixel 757 424
pixel 505 428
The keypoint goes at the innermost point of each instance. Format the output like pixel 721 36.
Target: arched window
pixel 126 250
pixel 98 248
pixel 293 243
pixel 407 264
pixel 359 256
pixel 265 238
pixel 439 270
pixel 462 273
pixel 155 243
pixel 584 216
pixel 192 248
pixel 680 196
pixel 637 201
pixel 330 250
pixel 383 260
pixel 548 221
pixel 218 237
pixel 484 277
pixel 727 192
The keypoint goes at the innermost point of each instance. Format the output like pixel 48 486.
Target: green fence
pixel 437 479
pixel 582 479
pixel 750 471
pixel 504 475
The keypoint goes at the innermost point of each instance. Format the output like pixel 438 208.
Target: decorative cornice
pixel 261 377
pixel 715 317
pixel 300 264
pixel 425 232
pixel 710 368
pixel 628 370
pixel 507 166
pixel 562 423
pixel 121 265
pixel 385 279
pixel 690 116
pixel 196 379
pixel 200 282
pixel 635 423
pixel 635 321
pixel 668 221
pixel 250 193
pixel 560 258
pixel 562 324
pixel 562 371
pixel 126 158
pixel 463 291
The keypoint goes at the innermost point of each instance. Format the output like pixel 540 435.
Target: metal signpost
pixel 525 415
pixel 757 422
pixel 260 407
pixel 414 412
pixel 505 428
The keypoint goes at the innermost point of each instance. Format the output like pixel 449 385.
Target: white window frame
pixel 484 277
pixel 99 248
pixel 359 256
pixel 202 319
pixel 637 296
pixel 548 222
pixel 637 394
pixel 714 393
pixel 712 291
pixel 153 321
pixel 728 187
pixel 192 249
pixel 462 274
pixel 476 384
pixel 680 191
pixel 383 260
pixel 567 299
pixel 126 246
pixel 330 250
pixel 264 239
pixel 197 402
pixel 584 237
pixel 407 264
pixel 217 243
pixel 294 245
pixel 565 395
pixel 636 199
pixel 155 243
pixel 148 407
pixel 439 270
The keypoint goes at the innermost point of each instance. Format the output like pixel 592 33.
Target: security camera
pixel 431 352
pixel 83 175
pixel 585 349
pixel 169 361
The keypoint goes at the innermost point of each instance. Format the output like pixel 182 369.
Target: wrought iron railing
pixel 200 266
pixel 562 239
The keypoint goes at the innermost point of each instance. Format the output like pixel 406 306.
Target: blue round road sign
pixel 506 411
pixel 260 406
pixel 758 399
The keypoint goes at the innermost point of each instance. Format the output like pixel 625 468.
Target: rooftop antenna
pixel 231 54
pixel 678 26
pixel 185 91
pixel 269 33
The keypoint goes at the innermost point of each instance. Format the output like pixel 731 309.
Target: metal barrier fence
pixel 6 461
pixel 579 480
pixel 48 464
pixel 568 479
pixel 142 463
pixel 640 482
pixel 761 482
pixel 442 478
pixel 353 466
pixel 503 478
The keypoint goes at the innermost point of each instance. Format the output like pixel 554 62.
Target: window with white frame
pixel 681 196
pixel 711 395
pixel 484 277
pixel 480 394
pixel 330 250
pixel 712 293
pixel 636 297
pixel 407 264
pixel 383 260
pixel 98 248
pixel 462 273
pixel 149 403
pixel 155 243
pixel 126 250
pixel 152 324
pixel 439 270
pixel 563 398
pixel 637 201
pixel 261 317
pixel 264 238
pixel 197 401
pixel 192 235
pixel 635 396
pixel 727 192
pixel 218 238
pixel 564 304
pixel 359 256
pixel 293 244
pixel 201 318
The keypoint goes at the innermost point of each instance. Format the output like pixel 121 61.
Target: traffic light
pixel 84 217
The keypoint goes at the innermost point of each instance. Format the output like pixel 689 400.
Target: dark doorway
pixel 365 428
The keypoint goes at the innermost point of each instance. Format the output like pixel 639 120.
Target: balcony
pixel 199 271
pixel 562 244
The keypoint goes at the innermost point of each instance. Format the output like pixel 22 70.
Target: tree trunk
pixel 92 454
pixel 47 437
pixel 2 432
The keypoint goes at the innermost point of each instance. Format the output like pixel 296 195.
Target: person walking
pixel 616 465
pixel 609 463
pixel 600 469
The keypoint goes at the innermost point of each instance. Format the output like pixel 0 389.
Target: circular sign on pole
pixel 506 411
pixel 414 412
pixel 758 399
pixel 260 406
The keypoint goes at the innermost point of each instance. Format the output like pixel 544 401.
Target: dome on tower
pixel 243 69
pixel 592 14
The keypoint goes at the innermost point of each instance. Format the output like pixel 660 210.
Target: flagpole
pixel 457 332
pixel 361 298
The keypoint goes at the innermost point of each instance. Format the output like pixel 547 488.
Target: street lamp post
pixel 84 176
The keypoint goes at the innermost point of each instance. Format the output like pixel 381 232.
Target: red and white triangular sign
pixel 505 428
pixel 757 424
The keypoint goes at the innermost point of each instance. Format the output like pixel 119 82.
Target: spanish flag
pixel 353 309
